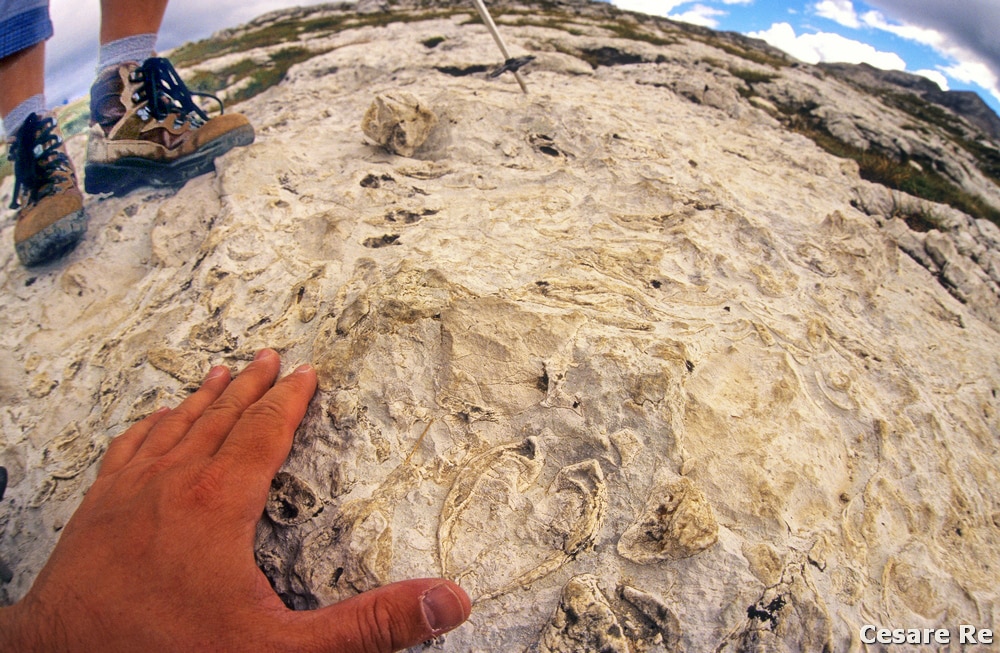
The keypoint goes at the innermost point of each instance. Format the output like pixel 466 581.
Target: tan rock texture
pixel 636 364
pixel 399 122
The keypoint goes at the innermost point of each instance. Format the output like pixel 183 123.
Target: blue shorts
pixel 23 23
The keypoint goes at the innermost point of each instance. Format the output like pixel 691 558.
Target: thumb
pixel 389 618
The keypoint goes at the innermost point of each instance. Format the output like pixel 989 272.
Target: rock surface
pixel 399 122
pixel 637 365
pixel 966 104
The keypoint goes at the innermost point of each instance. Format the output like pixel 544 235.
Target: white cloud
pixel 974 72
pixel 71 54
pixel 700 15
pixel 826 46
pixel 935 76
pixel 969 67
pixel 839 11
pixel 653 7
pixel 969 29
pixel 931 37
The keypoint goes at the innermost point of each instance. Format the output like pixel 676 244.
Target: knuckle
pixel 207 486
pixel 382 628
pixel 265 411
pixel 178 418
pixel 226 405
pixel 120 445
pixel 155 469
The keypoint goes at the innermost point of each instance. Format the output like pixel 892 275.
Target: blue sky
pixel 953 43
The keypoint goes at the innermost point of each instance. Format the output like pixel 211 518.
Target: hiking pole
pixel 485 15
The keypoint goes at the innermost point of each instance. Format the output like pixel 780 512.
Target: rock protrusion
pixel 678 522
pixel 584 621
pixel 399 121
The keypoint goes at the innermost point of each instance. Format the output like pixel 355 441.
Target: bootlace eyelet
pixel 166 94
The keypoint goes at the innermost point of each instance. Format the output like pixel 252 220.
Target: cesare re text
pixel 967 634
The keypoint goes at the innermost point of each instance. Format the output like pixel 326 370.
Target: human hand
pixel 159 555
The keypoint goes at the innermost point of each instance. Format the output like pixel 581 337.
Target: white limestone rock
pixel 571 302
pixel 399 121
pixel 678 522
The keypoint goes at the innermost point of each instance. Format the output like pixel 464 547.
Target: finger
pixel 123 448
pixel 259 442
pixel 212 427
pixel 389 618
pixel 169 430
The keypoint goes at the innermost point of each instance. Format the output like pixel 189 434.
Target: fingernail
pixel 302 369
pixel 216 372
pixel 263 353
pixel 443 610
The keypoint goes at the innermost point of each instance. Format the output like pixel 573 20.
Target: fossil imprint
pixel 495 507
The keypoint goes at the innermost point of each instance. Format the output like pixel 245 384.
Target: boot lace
pixel 39 164
pixel 165 94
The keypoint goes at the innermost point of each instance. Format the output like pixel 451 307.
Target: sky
pixel 953 43
pixel 71 54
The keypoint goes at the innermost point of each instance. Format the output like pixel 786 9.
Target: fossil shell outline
pixel 291 501
pixel 677 522
pixel 483 480
pixel 583 620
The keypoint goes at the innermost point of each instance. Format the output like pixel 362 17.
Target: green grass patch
pixel 756 56
pixel 194 53
pixel 923 182
pixel 292 30
pixel 6 168
pixel 632 33
pixel 262 77
pixel 74 118
pixel 76 124
pixel 561 24
pixel 749 75
pixel 923 111
pixel 752 76
pixel 567 23
pixel 341 22
pixel 265 78
pixel 921 219
pixel 987 157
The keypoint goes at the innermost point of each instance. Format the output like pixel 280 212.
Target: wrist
pixel 15 631
pixel 21 629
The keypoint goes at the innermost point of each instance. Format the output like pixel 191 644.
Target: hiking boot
pixel 51 219
pixel 145 130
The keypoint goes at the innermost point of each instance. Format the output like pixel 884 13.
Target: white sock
pixel 136 48
pixel 12 121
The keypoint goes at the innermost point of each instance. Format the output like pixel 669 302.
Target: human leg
pixel 50 216
pixel 128 31
pixel 24 27
pixel 146 129
pixel 22 76
pixel 124 18
pixel 51 219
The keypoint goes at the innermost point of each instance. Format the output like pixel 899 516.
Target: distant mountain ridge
pixel 966 104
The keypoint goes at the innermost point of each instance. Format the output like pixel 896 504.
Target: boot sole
pixel 54 241
pixel 128 173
